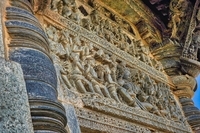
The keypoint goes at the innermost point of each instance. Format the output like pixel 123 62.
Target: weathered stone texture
pixel 72 124
pixel 1 31
pixel 14 106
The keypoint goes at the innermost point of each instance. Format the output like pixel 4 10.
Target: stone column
pixel 14 107
pixel 185 85
pixel 29 47
pixel 191 112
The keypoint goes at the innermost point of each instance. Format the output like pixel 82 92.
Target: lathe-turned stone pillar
pixel 28 46
pixel 14 107
pixel 185 85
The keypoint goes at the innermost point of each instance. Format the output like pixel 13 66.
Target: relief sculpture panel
pixel 102 66
pixel 100 58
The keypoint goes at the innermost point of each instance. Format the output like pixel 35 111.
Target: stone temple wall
pixel 94 66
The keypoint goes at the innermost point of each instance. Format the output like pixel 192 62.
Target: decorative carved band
pixel 98 121
pixel 119 110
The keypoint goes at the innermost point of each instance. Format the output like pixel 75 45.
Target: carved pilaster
pixel 29 46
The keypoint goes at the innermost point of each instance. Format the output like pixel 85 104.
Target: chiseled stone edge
pixel 102 122
pixel 61 22
pixel 14 106
pixel 113 108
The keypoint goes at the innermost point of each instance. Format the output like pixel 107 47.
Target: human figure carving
pixel 113 67
pixel 57 50
pixel 77 75
pixel 67 8
pixel 95 19
pixel 132 49
pixel 54 5
pixel 86 23
pixel 125 86
pixel 178 8
pixel 92 76
pixel 75 14
pixel 77 46
pixel 144 54
pixel 60 7
pixel 66 42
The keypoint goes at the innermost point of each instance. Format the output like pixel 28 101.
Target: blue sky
pixel 196 97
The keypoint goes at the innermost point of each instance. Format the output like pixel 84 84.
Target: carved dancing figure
pixel 97 83
pixel 77 75
pixel 60 7
pixel 144 53
pixel 54 5
pixel 86 23
pixel 67 10
pixel 75 15
pixel 125 86
pixel 95 19
pixel 55 53
pixel 178 8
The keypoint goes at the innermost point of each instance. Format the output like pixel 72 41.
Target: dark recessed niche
pixel 83 11
pixel 160 8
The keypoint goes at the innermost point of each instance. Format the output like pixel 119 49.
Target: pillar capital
pixel 185 85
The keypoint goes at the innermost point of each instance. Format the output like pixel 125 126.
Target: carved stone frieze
pixel 89 64
pixel 193 27
pixel 101 43
pixel 118 110
pixel 105 123
pixel 83 67
pixel 102 65
pixel 104 61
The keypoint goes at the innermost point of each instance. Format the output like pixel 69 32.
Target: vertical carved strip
pixel 191 27
pixel 29 47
